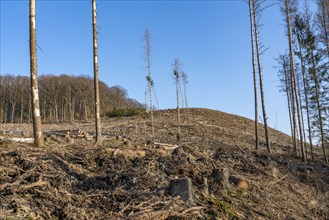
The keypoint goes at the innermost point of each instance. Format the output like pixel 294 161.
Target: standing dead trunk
pixel 37 132
pixel 176 75
pixel 293 80
pixel 96 85
pixel 319 107
pixel 184 76
pixel 254 71
pixel 306 89
pixel 288 92
pixel 324 5
pixel 261 80
pixel 147 38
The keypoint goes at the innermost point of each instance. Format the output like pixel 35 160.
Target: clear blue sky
pixel 212 39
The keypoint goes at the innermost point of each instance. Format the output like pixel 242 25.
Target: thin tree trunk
pixel 96 85
pixel 288 97
pixel 147 37
pixel 56 113
pixel 261 81
pixel 324 18
pixel 37 132
pixel 317 88
pixel 86 112
pixel 293 83
pixel 178 112
pixel 184 76
pixel 22 111
pixel 254 72
pixel 302 117
pixel 305 85
pixel 13 113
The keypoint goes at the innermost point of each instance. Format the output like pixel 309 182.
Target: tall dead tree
pixel 254 70
pixel 256 8
pixel 316 72
pixel 177 75
pixel 147 38
pixel 285 63
pixel 96 85
pixel 184 77
pixel 299 26
pixel 323 18
pixel 295 97
pixel 37 131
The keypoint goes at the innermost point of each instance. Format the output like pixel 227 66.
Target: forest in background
pixel 63 98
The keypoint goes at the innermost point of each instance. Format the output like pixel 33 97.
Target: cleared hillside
pixel 129 175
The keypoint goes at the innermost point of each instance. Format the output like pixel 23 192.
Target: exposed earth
pixel 128 176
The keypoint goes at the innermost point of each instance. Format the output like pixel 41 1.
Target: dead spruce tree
pixel 284 77
pixel 147 38
pixel 257 9
pixel 96 85
pixel 323 23
pixel 37 131
pixel 317 73
pixel 176 72
pixel 254 70
pixel 299 31
pixel 185 81
pixel 288 7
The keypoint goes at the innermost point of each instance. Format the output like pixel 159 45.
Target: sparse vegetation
pixel 125 112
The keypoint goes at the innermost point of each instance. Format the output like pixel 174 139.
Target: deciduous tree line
pixel 63 98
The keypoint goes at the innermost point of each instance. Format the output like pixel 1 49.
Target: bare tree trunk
pixel 146 105
pixel 184 76
pixel 254 72
pixel 293 79
pixel 261 81
pixel 176 74
pixel 147 38
pixel 317 93
pixel 305 85
pixel 301 116
pixel 13 113
pixel 96 86
pixel 56 113
pixel 37 132
pixel 288 98
pixel 22 111
pixel 324 18
pixel 178 111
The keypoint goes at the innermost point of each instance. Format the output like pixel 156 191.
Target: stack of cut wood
pixel 75 133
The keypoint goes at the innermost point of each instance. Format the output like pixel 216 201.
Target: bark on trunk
pixel 293 83
pixel 254 71
pixel 96 85
pixel 37 132
pixel 178 111
pixel 261 81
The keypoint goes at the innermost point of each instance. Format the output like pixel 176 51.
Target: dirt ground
pixel 128 176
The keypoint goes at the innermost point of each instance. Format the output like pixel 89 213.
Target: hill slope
pixel 126 178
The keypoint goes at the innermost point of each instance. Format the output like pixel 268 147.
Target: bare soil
pixel 128 176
